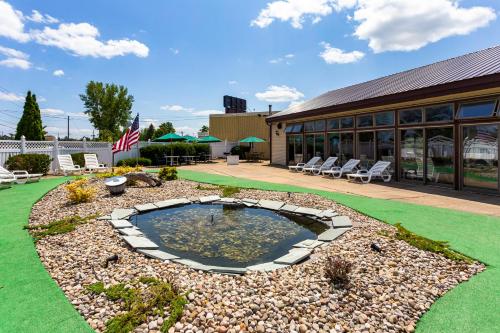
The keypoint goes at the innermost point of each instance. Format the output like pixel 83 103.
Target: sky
pixel 178 58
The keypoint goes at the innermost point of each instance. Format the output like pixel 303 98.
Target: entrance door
pixel 412 154
pixel 440 155
pixel 480 156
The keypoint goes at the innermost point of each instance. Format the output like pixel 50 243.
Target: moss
pixel 206 188
pixel 57 227
pixel 422 243
pixel 228 191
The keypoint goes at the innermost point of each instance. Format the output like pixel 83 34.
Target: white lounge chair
pixel 20 176
pixel 337 172
pixel 313 161
pixel 66 165
pixel 327 165
pixel 92 163
pixel 379 170
pixel 6 180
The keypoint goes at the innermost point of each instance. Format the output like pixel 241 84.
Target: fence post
pixel 110 150
pixel 55 153
pixel 84 145
pixel 23 144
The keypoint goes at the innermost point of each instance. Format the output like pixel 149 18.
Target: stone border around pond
pixel 298 253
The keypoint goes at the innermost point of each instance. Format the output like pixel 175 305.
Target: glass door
pixel 440 154
pixel 346 147
pixel 412 154
pixel 315 146
pixel 295 149
pixel 366 149
pixel 480 156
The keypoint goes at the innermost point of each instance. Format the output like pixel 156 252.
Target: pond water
pixel 226 235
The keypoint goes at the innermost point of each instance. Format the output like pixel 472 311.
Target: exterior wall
pixel 278 144
pixel 237 126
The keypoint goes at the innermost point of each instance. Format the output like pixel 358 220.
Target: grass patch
pixel 426 244
pixel 58 227
pixel 142 303
pixel 202 187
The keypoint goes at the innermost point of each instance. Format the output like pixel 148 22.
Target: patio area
pixel 399 191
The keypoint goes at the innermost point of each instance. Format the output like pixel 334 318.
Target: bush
pixel 79 191
pixel 33 163
pixel 119 171
pixel 156 153
pixel 132 162
pixel 337 271
pixel 240 151
pixel 78 159
pixel 168 173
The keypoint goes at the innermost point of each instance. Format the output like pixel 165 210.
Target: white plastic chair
pixel 312 162
pixel 337 172
pixel 66 165
pixel 379 169
pixel 20 176
pixel 92 163
pixel 316 170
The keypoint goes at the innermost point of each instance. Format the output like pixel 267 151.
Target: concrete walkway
pixel 405 192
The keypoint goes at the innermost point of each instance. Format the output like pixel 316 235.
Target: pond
pixel 226 235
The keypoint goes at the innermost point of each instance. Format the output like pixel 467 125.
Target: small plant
pixel 132 162
pixel 206 187
pixel 57 227
pixel 228 191
pixel 119 171
pixel 168 173
pixel 337 271
pixel 426 244
pixel 79 191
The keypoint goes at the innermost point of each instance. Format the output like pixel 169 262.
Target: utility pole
pixel 68 127
pixel 93 135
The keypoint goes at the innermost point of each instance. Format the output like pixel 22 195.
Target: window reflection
pixel 412 116
pixel 480 156
pixel 480 109
pixel 366 148
pixel 439 113
pixel 440 155
pixel 385 147
pixel 295 149
pixel 412 154
pixel 315 146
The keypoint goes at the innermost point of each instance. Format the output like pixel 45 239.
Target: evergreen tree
pixel 148 133
pixel 163 129
pixel 30 124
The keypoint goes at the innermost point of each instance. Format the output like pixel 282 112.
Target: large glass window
pixel 412 154
pixel 412 116
pixel 334 144
pixel 295 149
pixel 440 155
pixel 294 128
pixel 384 118
pixel 480 156
pixel 474 110
pixel 315 146
pixel 438 113
pixel 347 122
pixel 346 147
pixel 366 148
pixel 385 146
pixel 314 126
pixel 365 121
pixel 333 124
pixel 309 126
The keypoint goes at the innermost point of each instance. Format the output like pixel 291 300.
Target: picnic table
pixel 172 158
pixel 188 159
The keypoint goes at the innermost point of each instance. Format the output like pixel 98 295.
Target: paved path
pixel 418 194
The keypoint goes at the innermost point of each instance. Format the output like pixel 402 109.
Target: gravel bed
pixel 389 290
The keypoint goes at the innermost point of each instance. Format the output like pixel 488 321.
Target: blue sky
pixel 178 58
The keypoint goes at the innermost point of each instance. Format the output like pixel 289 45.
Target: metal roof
pixel 470 66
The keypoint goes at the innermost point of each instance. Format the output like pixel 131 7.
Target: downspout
pixel 270 137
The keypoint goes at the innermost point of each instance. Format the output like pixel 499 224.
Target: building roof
pixel 477 70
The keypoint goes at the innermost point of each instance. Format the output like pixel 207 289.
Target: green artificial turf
pixel 472 306
pixel 30 301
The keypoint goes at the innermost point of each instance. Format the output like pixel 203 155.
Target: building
pixel 232 127
pixel 437 124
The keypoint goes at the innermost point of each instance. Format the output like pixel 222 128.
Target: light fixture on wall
pixel 277 133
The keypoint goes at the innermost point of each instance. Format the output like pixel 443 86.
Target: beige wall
pixel 279 144
pixel 234 127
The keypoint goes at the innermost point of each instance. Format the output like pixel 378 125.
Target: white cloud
pixel 286 58
pixel 176 108
pixel 12 53
pixel 58 72
pixel 399 25
pixel 332 55
pixel 296 11
pixel 279 94
pixel 289 55
pixel 38 17
pixel 174 51
pixel 232 82
pixel 51 112
pixel 81 39
pixel 148 121
pixel 186 130
pixel 15 58
pixel 77 114
pixel 11 23
pixel 10 97
pixel 206 112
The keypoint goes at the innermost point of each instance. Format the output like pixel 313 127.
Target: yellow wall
pixel 234 127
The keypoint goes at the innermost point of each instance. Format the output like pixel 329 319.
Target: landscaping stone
pixel 209 198
pixel 250 201
pixel 193 264
pixel 327 213
pixel 307 211
pixel 145 207
pixel 139 242
pixel 308 244
pixel 172 202
pixel 104 218
pixel 122 213
pixel 228 270
pixel 118 224
pixel 228 200
pixel 342 222
pixel 293 257
pixel 270 204
pixel 331 234
pixel 130 232
pixel 266 267
pixel 157 254
pixel 289 208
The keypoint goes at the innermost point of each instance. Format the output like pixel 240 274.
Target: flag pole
pixel 137 146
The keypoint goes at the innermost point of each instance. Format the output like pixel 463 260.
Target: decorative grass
pixel 57 227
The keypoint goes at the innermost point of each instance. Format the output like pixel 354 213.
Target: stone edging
pixel 299 252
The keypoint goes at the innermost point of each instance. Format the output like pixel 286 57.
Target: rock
pixel 302 328
pixel 261 329
pixel 153 325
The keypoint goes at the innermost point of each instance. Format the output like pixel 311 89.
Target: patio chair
pixel 316 169
pixel 379 169
pixel 66 165
pixel 6 179
pixel 19 176
pixel 92 164
pixel 337 172
pixel 313 161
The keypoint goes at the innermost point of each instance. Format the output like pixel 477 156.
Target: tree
pixel 109 107
pixel 148 133
pixel 30 124
pixel 164 128
pixel 204 129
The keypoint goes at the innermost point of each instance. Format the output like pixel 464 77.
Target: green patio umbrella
pixel 170 137
pixel 209 139
pixel 251 140
pixel 190 138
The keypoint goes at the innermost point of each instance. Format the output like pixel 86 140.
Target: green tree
pixel 163 129
pixel 30 124
pixel 204 129
pixel 148 133
pixel 109 106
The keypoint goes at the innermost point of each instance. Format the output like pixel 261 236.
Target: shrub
pixel 78 159
pixel 119 171
pixel 228 191
pixel 240 151
pixel 168 173
pixel 156 153
pixel 132 162
pixel 337 271
pixel 79 191
pixel 33 163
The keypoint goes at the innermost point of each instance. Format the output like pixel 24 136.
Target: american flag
pixel 130 137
